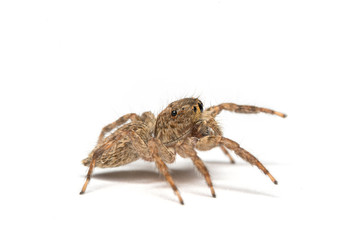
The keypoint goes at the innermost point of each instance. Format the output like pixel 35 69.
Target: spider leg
pixel 209 142
pixel 151 152
pixel 154 150
pixel 117 123
pixel 215 127
pixel 187 150
pixel 215 110
pixel 227 154
pixel 143 149
pixel 94 157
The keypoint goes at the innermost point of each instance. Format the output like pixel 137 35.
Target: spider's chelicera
pixel 181 128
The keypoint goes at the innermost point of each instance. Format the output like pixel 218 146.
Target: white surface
pixel 69 68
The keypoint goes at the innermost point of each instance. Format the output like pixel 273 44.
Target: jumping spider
pixel 180 128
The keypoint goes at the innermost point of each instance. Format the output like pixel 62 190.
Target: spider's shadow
pixel 183 176
pixel 146 175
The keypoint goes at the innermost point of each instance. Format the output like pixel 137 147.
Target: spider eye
pixel 194 109
pixel 200 106
pixel 173 113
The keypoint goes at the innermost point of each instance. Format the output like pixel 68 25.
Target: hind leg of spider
pixel 232 107
pixel 209 142
pixel 186 150
pixel 117 123
pixel 88 176
pixel 96 155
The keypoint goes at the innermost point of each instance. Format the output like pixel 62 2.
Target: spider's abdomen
pixel 117 149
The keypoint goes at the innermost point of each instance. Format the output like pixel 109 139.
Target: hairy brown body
pixel 181 128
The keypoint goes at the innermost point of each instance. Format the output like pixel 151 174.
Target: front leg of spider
pixel 232 107
pixel 209 142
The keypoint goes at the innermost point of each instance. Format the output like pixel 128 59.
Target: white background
pixel 68 68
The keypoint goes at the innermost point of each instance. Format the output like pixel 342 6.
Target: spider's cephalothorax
pixel 181 128
pixel 177 120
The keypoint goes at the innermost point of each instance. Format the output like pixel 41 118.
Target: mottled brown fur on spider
pixel 181 128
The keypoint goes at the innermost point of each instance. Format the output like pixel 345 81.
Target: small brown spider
pixel 180 128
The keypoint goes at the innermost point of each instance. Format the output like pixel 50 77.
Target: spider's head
pixel 177 120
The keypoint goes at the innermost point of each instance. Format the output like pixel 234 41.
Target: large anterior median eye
pixel 200 106
pixel 173 113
